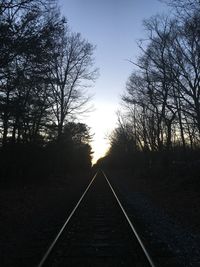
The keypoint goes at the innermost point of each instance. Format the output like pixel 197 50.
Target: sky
pixel 114 27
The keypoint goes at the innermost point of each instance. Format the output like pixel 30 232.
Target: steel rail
pixel 64 225
pixel 130 223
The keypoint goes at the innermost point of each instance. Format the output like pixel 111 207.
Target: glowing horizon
pixel 101 121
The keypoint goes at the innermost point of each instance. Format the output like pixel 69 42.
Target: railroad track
pixel 98 232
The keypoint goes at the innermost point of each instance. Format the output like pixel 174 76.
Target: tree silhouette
pixel 71 70
pixel 161 103
pixel 44 71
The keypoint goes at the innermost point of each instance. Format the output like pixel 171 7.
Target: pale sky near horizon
pixel 114 26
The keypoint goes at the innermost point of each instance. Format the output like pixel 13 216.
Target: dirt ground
pixel 32 214
pixel 166 213
pixel 179 196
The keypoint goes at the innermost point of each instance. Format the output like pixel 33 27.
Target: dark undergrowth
pixel 29 164
pixel 176 164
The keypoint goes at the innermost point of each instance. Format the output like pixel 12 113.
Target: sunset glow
pixel 102 121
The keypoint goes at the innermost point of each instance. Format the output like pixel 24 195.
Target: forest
pixel 45 72
pixel 159 119
pixel 153 163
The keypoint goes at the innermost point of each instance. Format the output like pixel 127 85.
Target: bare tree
pixel 71 72
pixel 27 40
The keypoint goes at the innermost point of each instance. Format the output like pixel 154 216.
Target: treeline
pixel 161 105
pixel 45 69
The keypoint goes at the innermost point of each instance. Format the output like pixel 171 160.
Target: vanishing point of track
pixel 98 232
